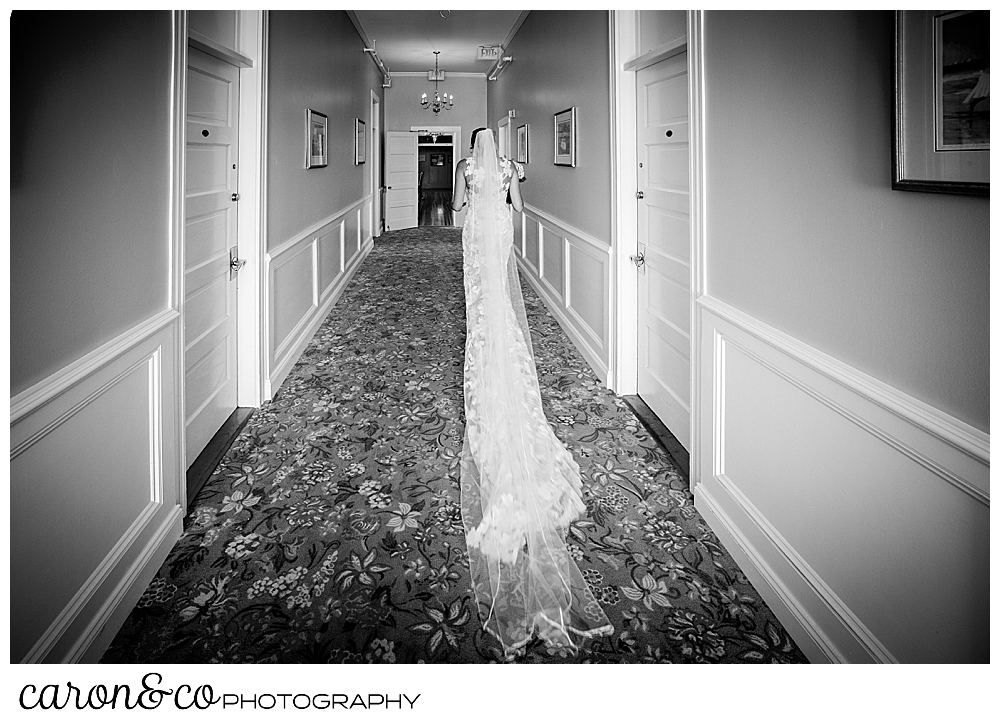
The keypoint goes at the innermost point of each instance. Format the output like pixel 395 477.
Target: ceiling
pixel 406 39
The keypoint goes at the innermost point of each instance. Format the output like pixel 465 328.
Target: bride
pixel 520 486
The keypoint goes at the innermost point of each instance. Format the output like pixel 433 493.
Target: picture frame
pixel 941 129
pixel 359 142
pixel 564 141
pixel 522 143
pixel 317 139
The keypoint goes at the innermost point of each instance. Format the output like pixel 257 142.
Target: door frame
pixel 456 141
pixel 252 387
pixel 376 165
pixel 624 333
pixel 456 155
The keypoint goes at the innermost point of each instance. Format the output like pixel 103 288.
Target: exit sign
pixel 489 52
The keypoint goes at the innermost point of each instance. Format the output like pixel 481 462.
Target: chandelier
pixel 440 101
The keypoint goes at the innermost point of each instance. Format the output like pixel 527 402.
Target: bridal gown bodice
pixel 521 487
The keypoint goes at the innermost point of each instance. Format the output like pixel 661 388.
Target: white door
pixel 210 234
pixel 401 180
pixel 664 219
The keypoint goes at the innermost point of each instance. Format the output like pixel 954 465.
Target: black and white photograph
pixel 316 138
pixel 962 80
pixel 360 141
pixel 942 89
pixel 309 367
pixel 564 125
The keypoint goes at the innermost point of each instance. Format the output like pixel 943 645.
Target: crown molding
pixel 447 74
pixel 357 26
pixel 514 28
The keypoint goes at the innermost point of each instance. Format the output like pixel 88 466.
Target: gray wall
pixel 89 143
pixel 561 60
pixel 316 61
pixel 402 104
pixel 804 232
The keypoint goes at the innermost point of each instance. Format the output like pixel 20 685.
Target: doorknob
pixel 638 259
pixel 640 195
pixel 235 263
pixel 235 197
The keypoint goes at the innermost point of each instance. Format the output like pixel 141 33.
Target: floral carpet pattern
pixel 331 532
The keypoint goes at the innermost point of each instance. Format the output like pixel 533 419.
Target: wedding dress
pixel 520 486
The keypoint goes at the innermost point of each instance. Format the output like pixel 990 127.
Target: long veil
pixel 520 486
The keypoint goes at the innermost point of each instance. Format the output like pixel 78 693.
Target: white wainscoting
pixel 305 277
pixel 95 493
pixel 859 513
pixel 571 271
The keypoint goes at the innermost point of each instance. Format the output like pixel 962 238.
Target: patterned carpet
pixel 331 531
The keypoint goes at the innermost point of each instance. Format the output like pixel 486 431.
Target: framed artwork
pixel 942 89
pixel 316 139
pixel 437 159
pixel 522 143
pixel 359 141
pixel 565 137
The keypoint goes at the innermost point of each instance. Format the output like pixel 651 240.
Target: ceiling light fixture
pixel 439 101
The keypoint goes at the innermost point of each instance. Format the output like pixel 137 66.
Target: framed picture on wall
pixel 565 137
pixel 522 143
pixel 359 141
pixel 316 139
pixel 942 89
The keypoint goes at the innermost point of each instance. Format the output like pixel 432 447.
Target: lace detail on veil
pixel 520 486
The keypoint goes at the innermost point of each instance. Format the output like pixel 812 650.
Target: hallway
pixel 331 532
pixel 840 466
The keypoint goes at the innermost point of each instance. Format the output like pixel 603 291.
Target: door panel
pixel 664 239
pixel 401 180
pixel 210 232
pixel 206 236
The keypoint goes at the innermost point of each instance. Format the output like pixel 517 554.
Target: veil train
pixel 520 486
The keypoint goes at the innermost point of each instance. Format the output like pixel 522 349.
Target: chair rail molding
pixel 955 433
pixel 31 399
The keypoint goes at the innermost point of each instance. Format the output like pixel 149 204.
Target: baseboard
pixel 592 357
pixel 101 632
pixel 786 592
